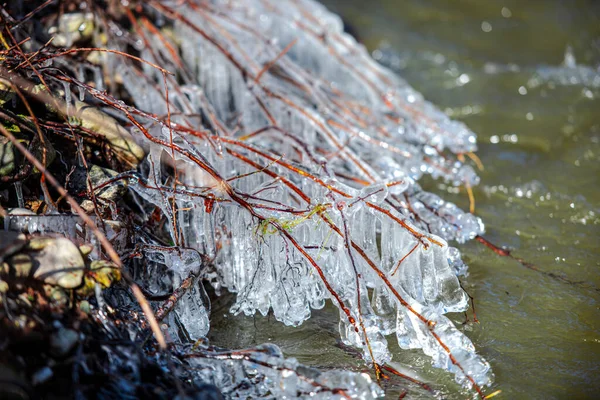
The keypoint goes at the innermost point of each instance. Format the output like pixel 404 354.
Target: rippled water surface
pixel 500 67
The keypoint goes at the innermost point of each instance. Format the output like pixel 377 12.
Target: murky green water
pixel 539 196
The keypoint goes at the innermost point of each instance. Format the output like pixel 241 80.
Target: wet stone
pixel 58 262
pixel 120 139
pixel 97 176
pixel 63 341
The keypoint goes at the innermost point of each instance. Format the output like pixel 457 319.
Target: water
pixel 494 65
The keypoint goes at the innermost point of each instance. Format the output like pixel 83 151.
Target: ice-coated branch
pixel 284 153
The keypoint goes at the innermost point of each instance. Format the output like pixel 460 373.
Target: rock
pixel 84 306
pixel 57 261
pixel 86 249
pixel 41 376
pixel 72 28
pixel 63 341
pixel 97 176
pixel 56 295
pixel 3 287
pixel 120 139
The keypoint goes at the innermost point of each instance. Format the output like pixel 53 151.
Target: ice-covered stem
pixel 296 78
pixel 224 186
pixel 430 324
pixel 341 206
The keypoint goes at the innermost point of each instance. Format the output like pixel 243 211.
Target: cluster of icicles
pixel 295 160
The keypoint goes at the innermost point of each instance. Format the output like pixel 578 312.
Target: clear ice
pixel 289 158
pixel 263 372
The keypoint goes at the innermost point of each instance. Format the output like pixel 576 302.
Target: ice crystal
pixel 288 157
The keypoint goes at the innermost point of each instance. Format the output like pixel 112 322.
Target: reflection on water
pixel 524 76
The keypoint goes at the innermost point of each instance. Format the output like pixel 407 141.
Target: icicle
pixel 67 90
pixel 19 192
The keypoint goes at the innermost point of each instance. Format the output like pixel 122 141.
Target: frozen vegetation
pixel 292 164
pixel 285 161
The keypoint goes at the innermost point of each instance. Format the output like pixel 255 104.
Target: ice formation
pixel 273 376
pixel 284 154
